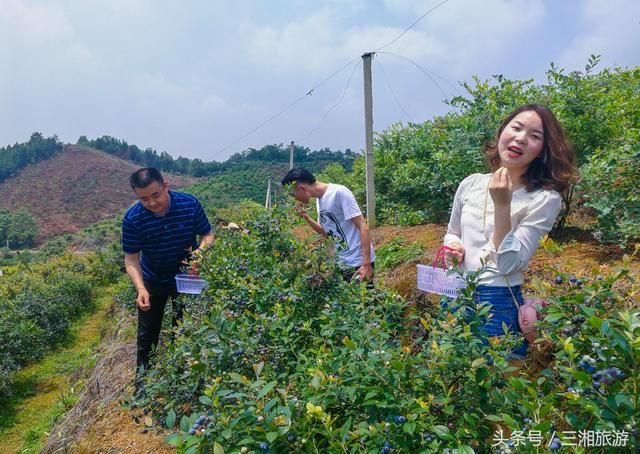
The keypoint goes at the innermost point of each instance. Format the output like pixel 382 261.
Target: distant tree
pixel 38 148
pixel 22 230
pixel 5 223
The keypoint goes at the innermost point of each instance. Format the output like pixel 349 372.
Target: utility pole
pixel 368 131
pixel 291 156
pixel 267 202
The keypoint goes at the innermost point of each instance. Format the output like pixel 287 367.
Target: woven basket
pixel 434 279
pixel 190 284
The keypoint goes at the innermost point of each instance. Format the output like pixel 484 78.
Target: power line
pixel 344 92
pixel 426 73
pixel 284 109
pixel 314 88
pixel 392 91
pixel 411 26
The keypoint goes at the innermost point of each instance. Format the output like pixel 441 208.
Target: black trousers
pixel 150 322
pixel 347 274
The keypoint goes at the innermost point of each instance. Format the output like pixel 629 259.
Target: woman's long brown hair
pixel 555 166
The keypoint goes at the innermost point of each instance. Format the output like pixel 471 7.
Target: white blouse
pixel 532 216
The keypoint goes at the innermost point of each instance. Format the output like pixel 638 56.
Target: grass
pixel 395 252
pixel 42 392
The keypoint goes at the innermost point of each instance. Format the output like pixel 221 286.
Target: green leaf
pixel 173 440
pixel 185 425
pixel 271 436
pixel 409 427
pixel 370 394
pixel 236 377
pixel 267 388
pixel 344 430
pixel 466 449
pixel 206 400
pixel 623 399
pixel 508 420
pixel 494 418
pixel 442 432
pixel 170 420
pixel 217 448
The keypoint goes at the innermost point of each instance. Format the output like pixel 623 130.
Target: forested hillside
pixel 269 154
pixel 15 157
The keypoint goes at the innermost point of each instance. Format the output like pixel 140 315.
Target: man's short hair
pixel 298 175
pixel 142 178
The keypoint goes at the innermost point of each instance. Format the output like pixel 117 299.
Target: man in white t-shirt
pixel 339 217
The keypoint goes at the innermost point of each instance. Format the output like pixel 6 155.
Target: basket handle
pixel 440 255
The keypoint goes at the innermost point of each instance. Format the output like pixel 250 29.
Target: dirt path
pixel 100 423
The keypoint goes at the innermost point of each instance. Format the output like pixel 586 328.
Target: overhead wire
pixel 314 88
pixel 426 72
pixel 326 114
pixel 411 26
pixel 392 91
pixel 287 107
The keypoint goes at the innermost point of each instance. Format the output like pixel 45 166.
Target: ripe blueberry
pixel 559 279
pixel 264 445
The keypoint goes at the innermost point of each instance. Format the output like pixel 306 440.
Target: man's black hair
pixel 142 178
pixel 298 175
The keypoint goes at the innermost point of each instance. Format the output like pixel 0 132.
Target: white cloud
pixel 609 28
pixel 39 35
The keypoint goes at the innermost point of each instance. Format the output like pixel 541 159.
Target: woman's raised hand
pixel 501 187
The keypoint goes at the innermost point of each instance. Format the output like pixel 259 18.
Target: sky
pixel 194 77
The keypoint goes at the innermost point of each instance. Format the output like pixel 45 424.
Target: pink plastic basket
pixel 193 285
pixel 433 279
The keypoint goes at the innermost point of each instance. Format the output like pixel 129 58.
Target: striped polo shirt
pixel 164 241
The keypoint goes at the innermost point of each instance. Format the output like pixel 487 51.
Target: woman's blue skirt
pixel 503 310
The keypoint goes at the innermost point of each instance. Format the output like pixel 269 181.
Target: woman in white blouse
pixel 501 217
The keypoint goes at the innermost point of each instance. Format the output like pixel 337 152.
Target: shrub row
pixel 38 305
pixel 281 355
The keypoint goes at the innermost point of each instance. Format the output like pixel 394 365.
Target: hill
pixel 75 188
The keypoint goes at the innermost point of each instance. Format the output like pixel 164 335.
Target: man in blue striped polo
pixel 158 233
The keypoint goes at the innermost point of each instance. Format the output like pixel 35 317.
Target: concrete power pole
pixel 291 156
pixel 267 202
pixel 368 130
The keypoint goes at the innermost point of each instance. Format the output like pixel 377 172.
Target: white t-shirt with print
pixel 336 208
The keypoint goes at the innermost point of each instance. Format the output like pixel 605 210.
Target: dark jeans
pixel 347 274
pixel 150 322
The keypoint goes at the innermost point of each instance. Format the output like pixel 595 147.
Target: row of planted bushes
pixel 419 165
pixel 38 304
pixel 281 355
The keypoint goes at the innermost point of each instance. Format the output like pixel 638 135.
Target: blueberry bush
pixel 280 354
pixel 419 165
pixel 38 304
